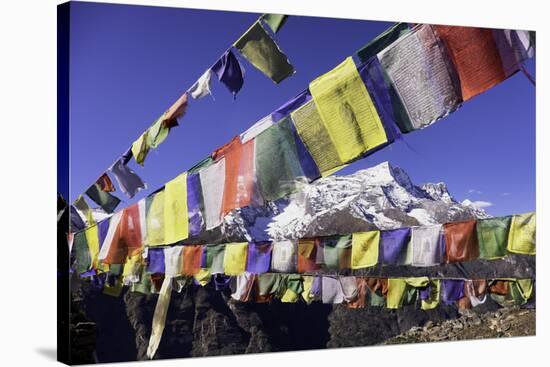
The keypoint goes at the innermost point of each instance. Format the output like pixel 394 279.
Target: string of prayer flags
pixel 492 236
pixel 418 70
pixel 176 222
pixel 201 88
pixel 105 200
pixel 522 236
pixel 105 183
pixel 128 181
pixel 274 21
pixel 347 111
pixel 461 241
pixel 257 46
pixel 229 72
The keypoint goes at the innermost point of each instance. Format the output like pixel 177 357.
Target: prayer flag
pixel 155 219
pixel 215 257
pixel 201 88
pixel 278 168
pixel 176 111
pixel 213 186
pixel 140 148
pixel 451 290
pixel 176 222
pixel 81 253
pixel 433 292
pixel 127 239
pixel 284 256
pixel 173 261
pixel 192 255
pixel 307 254
pixel 229 72
pixel 425 244
pixel 259 257
pixel 332 292
pixel 316 138
pixel 347 111
pixel 128 181
pixel 234 259
pixel 475 56
pixel 105 183
pixel 461 241
pixel 106 201
pixel 422 77
pixel 257 46
pixel 240 175
pixel 492 236
pixel 394 246
pixel 522 236
pixel 155 261
pixel 364 249
pixel 92 238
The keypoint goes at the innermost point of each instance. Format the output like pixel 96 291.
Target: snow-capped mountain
pixel 381 197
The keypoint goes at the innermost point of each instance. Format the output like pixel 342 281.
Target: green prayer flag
pixel 492 235
pixel 376 300
pixel 81 253
pixel 278 166
pixel 261 51
pixel 104 199
pixel 274 21
pixel 157 133
pixel 337 252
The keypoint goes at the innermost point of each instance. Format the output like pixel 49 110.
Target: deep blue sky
pixel 129 63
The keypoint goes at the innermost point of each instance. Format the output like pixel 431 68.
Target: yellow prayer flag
pixel 234 258
pixel 289 297
pixel 306 293
pixel 203 276
pixel 396 292
pixel 92 237
pixel 347 111
pixel 176 226
pixel 364 249
pixel 155 220
pixel 417 281
pixel 133 266
pixel 522 235
pixel 140 148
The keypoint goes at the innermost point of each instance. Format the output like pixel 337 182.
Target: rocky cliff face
pixel 205 322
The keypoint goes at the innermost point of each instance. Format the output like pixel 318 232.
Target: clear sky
pixel 129 63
